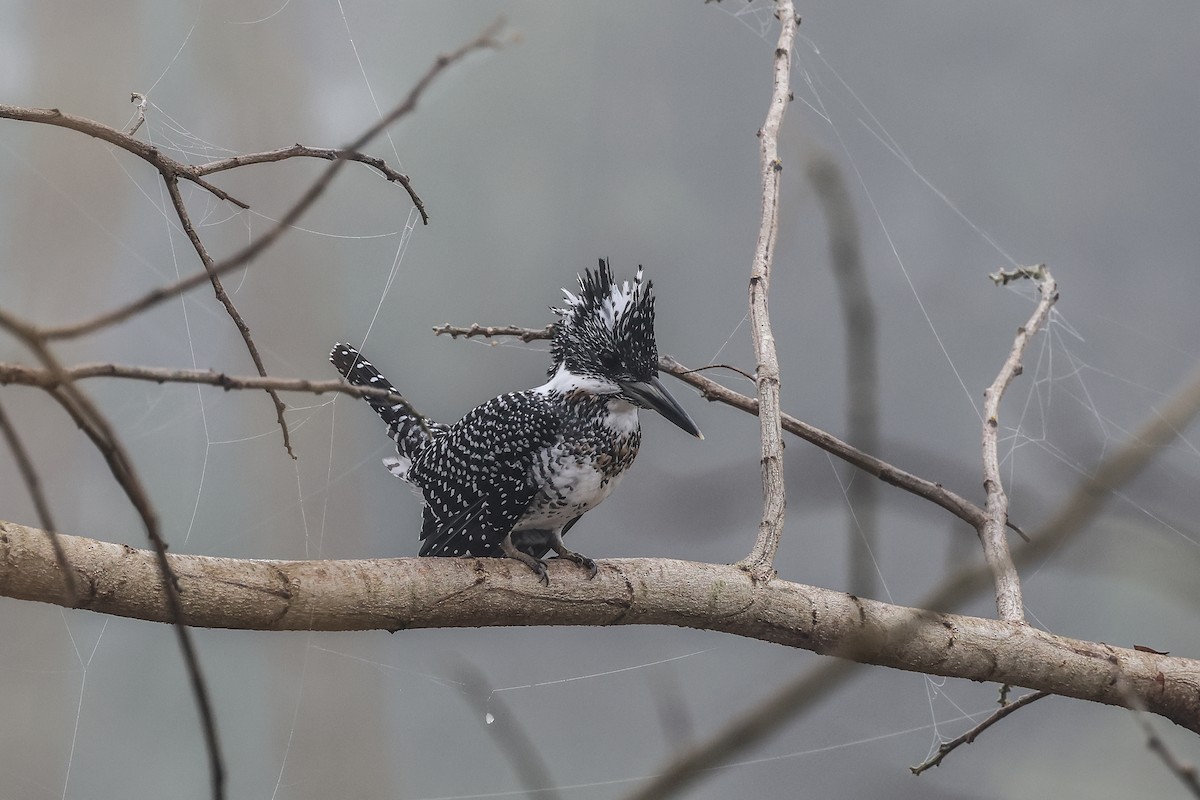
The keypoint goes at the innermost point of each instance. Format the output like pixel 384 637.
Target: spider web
pixel 314 714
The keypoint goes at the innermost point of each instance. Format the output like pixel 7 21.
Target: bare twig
pixel 22 375
pixel 469 331
pixel 946 748
pixel 759 561
pixel 140 99
pixel 326 153
pixel 33 485
pixel 487 39
pixel 207 261
pixel 862 361
pixel 888 473
pixel 992 533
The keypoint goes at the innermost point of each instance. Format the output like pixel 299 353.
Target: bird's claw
pixel 539 568
pixel 582 561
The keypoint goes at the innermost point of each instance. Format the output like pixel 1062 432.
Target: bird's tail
pixel 411 430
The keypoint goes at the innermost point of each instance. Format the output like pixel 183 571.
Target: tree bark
pixel 394 594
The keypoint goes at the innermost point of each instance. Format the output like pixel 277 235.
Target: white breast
pixel 571 487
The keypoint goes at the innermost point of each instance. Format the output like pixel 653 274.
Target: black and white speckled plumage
pixel 513 475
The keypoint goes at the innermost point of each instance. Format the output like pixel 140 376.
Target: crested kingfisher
pixel 516 473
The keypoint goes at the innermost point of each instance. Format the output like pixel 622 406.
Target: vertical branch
pixel 862 362
pixel 758 562
pixel 992 533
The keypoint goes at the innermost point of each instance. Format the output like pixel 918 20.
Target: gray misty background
pixel 1067 131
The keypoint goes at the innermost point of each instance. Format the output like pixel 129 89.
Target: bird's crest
pixel 607 328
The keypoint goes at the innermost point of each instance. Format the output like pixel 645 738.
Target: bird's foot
pixel 581 560
pixel 536 564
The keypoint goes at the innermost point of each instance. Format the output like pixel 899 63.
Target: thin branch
pixel 946 748
pixel 22 375
pixel 710 390
pixel 207 261
pixel 140 119
pixel 992 533
pixel 472 330
pixel 326 153
pixel 1186 773
pixel 888 473
pixel 759 561
pixel 33 485
pixel 398 594
pixel 487 39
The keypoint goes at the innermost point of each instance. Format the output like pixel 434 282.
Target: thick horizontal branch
pixel 395 594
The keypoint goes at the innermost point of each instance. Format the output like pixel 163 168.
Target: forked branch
pixel 948 747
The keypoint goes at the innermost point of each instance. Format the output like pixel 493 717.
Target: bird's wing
pixel 477 478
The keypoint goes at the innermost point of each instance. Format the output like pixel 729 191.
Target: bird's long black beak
pixel 652 394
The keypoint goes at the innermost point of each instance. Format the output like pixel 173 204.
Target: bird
pixel 516 473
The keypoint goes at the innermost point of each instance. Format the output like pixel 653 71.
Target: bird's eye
pixel 611 362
